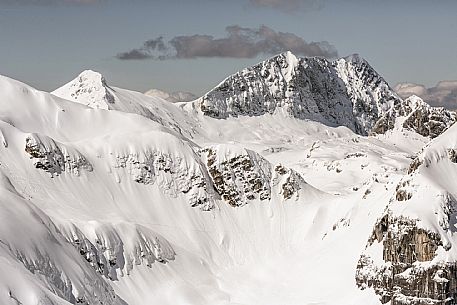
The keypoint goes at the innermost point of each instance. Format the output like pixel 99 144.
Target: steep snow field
pixel 109 196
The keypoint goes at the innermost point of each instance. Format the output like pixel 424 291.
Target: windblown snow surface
pixel 109 196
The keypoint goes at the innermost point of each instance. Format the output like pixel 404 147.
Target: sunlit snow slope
pixel 109 196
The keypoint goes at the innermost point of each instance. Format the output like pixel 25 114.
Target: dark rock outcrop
pixel 420 117
pixel 407 274
pixel 240 178
pixel 55 158
pixel 292 183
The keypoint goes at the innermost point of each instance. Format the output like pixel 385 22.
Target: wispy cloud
pixel 152 48
pixel 239 42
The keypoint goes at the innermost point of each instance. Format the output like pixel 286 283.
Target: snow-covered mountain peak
pixel 290 58
pixel 345 92
pixel 415 101
pixel 88 88
pixel 291 62
pixel 92 76
pixel 289 55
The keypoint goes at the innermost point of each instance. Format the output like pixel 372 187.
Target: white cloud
pixel 444 94
pixel 239 42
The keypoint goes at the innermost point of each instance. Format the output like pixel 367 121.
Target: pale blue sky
pixel 48 44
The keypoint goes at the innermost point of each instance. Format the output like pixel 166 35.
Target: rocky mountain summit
pixel 344 92
pixel 418 116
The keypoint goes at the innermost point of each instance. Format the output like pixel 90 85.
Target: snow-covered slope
pixel 37 264
pixel 136 200
pixel 122 194
pixel 91 89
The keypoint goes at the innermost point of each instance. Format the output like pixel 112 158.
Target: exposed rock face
pixel 419 116
pixel 344 92
pixel 417 162
pixel 452 153
pixel 240 177
pixel 403 242
pixel 54 157
pixel 292 184
pixel 404 190
pixel 234 174
pixel 407 273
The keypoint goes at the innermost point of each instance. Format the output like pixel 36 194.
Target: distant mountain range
pixel 173 97
pixel 444 94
